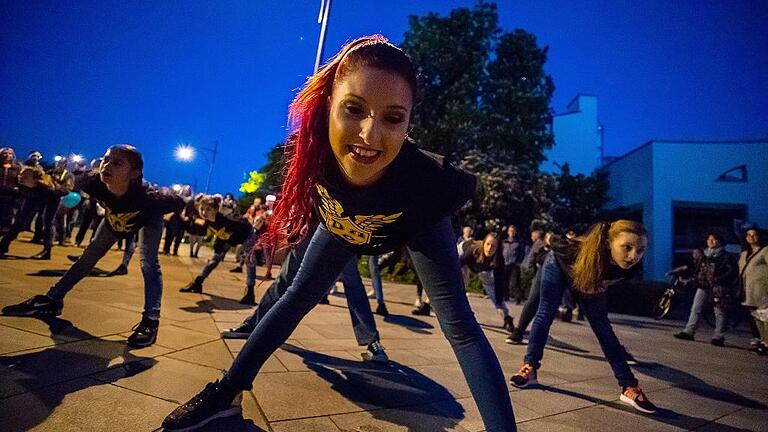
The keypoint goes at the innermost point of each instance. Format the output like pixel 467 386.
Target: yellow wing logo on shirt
pixel 358 231
pixel 221 233
pixel 121 222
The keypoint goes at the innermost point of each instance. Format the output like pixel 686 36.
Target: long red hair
pixel 308 150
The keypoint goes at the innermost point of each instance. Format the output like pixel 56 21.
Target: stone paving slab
pixel 75 373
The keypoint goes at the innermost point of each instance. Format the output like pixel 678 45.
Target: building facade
pixel 681 190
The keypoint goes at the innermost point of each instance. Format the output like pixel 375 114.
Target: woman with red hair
pixel 373 191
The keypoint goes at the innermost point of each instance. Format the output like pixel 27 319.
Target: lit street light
pixel 186 153
pixel 77 158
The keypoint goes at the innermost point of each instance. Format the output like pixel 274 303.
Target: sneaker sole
pixel 144 345
pixel 32 313
pixel 231 335
pixel 634 404
pixel 221 414
pixel 379 360
pixel 530 383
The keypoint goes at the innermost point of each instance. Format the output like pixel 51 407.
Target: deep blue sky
pixel 77 76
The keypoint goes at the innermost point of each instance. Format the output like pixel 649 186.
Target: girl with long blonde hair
pixel 588 266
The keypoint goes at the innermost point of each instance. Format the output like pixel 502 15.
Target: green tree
pixel 270 178
pixel 577 199
pixel 451 54
pixel 516 102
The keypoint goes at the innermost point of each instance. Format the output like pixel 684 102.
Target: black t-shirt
pixel 229 229
pixel 127 214
pixel 565 251
pixel 417 190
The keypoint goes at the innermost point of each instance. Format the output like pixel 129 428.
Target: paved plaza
pixel 75 372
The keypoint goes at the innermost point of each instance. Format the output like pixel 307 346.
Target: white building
pixel 578 138
pixel 682 189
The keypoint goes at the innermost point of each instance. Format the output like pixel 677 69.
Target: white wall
pixel 660 173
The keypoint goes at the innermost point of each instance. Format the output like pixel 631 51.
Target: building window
pixel 734 175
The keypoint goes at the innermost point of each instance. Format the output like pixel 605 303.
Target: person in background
pixel 10 198
pixel 714 280
pixel 196 231
pixel 513 252
pixel 753 272
pixel 480 258
pixel 589 266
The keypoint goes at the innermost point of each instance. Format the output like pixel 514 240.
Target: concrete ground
pixel 75 373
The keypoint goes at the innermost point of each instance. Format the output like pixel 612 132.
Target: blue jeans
pixel 130 248
pixel 214 262
pixel 488 280
pixel 373 269
pixel 149 237
pixel 437 263
pixel 363 322
pixel 552 283
pixel 699 300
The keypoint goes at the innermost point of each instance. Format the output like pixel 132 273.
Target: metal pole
pixel 213 161
pixel 322 19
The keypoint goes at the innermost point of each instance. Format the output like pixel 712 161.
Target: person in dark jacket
pixel 715 278
pixel 9 187
pixel 131 206
pixel 589 266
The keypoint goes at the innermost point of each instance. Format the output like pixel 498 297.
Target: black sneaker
pixel 119 271
pixel 241 332
pixel 509 324
pixel 718 341
pixel 144 333
pixel 215 401
pixel 44 254
pixel 684 336
pixel 515 340
pixel 375 353
pixel 248 299
pixel 73 258
pixel 381 309
pixel 37 305
pixel 236 270
pixel 195 286
pixel 424 310
pixel 634 397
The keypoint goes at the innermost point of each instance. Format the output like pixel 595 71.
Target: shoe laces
pixel 376 347
pixel 526 370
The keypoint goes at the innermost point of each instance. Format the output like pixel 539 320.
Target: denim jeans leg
pixel 529 308
pixel 130 248
pixel 278 287
pixel 596 310
pixel 250 274
pixel 214 262
pixel 373 269
pixel 357 302
pixel 699 299
pixel 322 263
pixel 488 281
pixel 436 261
pixel 149 238
pixel 552 286
pixel 91 255
pixel 721 321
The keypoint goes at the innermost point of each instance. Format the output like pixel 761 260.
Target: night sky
pixel 78 76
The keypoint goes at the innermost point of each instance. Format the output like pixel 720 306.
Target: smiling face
pixel 627 249
pixel 369 112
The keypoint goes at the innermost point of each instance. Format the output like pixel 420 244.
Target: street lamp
pixel 186 153
pixel 77 158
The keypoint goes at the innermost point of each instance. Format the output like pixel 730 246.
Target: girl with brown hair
pixel 589 266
